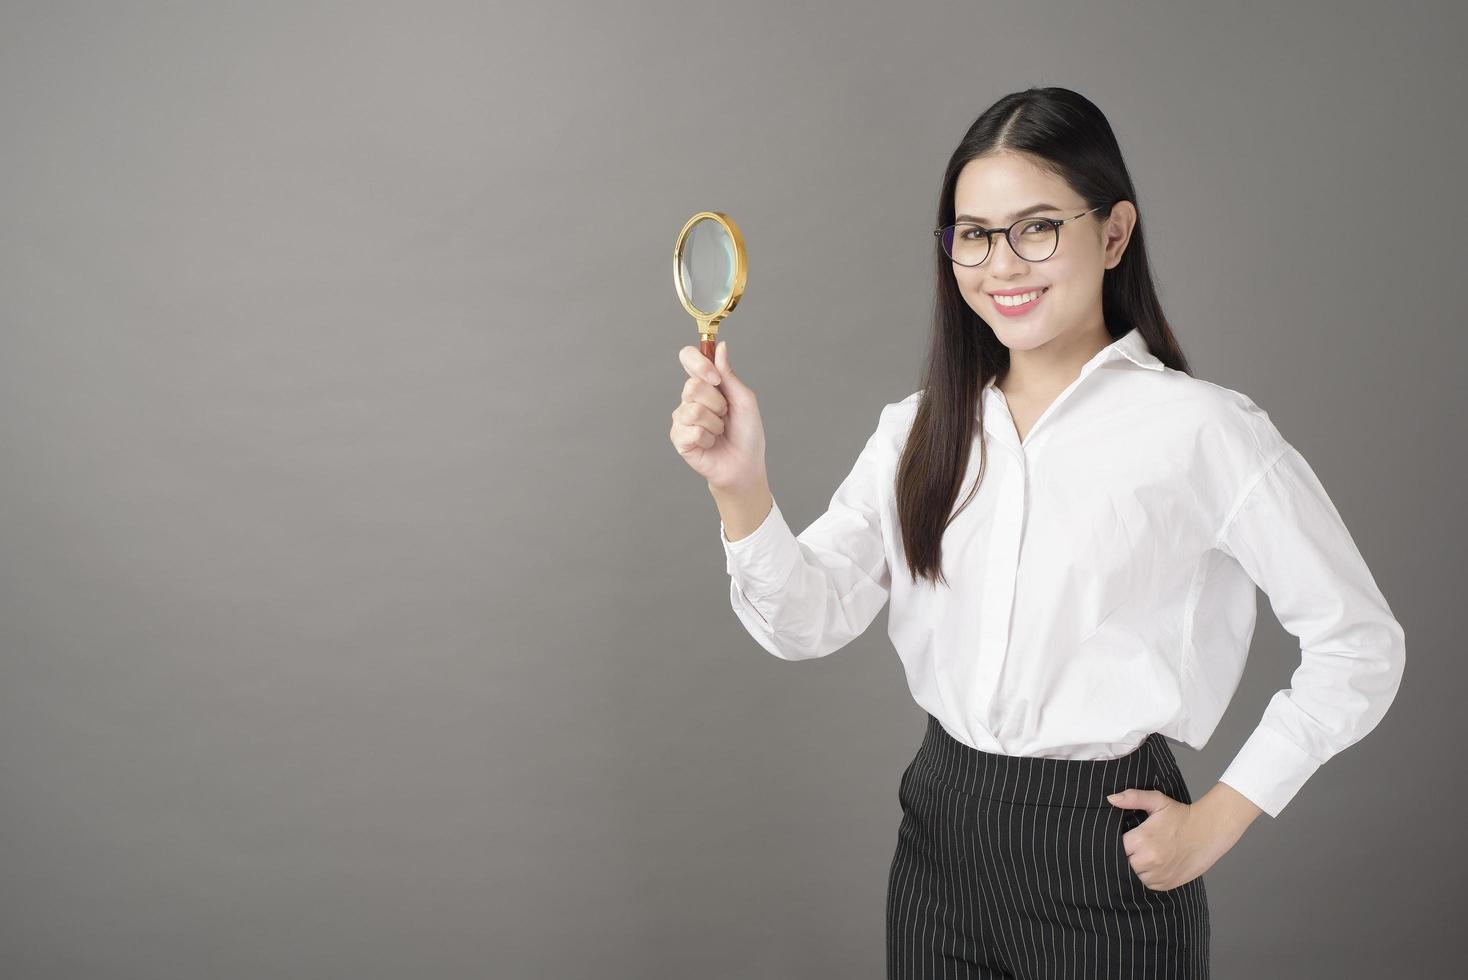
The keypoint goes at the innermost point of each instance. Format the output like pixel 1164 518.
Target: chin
pixel 1022 336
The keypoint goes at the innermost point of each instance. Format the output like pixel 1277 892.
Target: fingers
pixel 699 418
pixel 687 436
pixel 696 413
pixel 697 388
pixel 698 366
pixel 721 360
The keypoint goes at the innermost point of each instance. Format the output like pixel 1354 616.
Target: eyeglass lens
pixel 1033 241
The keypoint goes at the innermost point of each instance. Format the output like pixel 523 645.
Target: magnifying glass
pixel 709 270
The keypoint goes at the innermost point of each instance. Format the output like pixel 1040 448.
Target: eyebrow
pixel 1018 214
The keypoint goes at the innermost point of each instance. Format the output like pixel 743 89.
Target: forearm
pixel 742 511
pixel 1227 812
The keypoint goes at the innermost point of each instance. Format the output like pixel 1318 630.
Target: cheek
pixel 1079 276
pixel 969 289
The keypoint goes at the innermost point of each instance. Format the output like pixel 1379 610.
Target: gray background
pixel 358 618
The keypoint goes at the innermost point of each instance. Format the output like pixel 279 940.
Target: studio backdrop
pixel 358 618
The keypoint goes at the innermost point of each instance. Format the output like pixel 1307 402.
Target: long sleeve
pixel 1289 538
pixel 809 595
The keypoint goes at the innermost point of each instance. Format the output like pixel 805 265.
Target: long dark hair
pixel 1064 132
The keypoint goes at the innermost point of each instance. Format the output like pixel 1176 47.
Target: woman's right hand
pixel 717 427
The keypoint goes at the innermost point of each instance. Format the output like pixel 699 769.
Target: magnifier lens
pixel 708 266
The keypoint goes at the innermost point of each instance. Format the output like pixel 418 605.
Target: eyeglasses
pixel 1033 239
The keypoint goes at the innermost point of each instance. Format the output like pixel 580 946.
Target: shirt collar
pixel 1131 345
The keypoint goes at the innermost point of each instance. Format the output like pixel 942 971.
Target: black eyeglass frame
pixel 988 234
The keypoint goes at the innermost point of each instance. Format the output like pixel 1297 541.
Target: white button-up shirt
pixel 1101 583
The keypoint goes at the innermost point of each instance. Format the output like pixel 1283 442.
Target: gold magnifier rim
pixel 710 320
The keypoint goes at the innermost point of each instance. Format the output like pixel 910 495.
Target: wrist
pixel 742 510
pixel 750 488
pixel 1227 810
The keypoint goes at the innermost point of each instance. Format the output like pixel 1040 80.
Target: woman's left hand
pixel 1175 844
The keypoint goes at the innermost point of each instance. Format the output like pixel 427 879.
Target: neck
pixel 1047 369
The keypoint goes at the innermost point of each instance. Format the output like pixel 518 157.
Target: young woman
pixel 1091 597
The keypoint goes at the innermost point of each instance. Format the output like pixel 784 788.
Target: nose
pixel 1003 259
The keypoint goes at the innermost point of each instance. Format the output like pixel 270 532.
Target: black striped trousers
pixel 1012 866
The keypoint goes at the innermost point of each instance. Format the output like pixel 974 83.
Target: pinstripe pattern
pixel 1013 867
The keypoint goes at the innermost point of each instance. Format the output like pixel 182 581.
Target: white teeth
pixel 1019 300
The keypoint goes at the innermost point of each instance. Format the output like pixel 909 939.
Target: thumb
pixel 727 377
pixel 1138 799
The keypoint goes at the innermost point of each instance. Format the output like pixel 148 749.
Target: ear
pixel 1118 231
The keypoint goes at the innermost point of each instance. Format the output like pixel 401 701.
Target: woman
pixel 1090 597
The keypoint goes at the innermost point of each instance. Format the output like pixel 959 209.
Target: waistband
pixel 1046 781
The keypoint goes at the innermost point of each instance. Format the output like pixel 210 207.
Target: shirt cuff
pixel 760 563
pixel 1269 770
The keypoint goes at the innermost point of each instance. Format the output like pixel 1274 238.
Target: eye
pixel 1034 228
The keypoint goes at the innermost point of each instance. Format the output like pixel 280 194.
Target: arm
pixel 1289 538
pixel 807 596
pixel 742 512
pixel 1227 813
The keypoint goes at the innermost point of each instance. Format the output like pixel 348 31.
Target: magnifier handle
pixel 707 345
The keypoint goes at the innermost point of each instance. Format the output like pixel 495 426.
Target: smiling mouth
pixel 1020 303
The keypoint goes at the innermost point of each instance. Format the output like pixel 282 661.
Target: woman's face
pixel 994 190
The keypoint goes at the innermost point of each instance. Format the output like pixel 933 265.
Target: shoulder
pixel 897 417
pixel 908 406
pixel 1225 417
pixel 900 413
pixel 894 422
